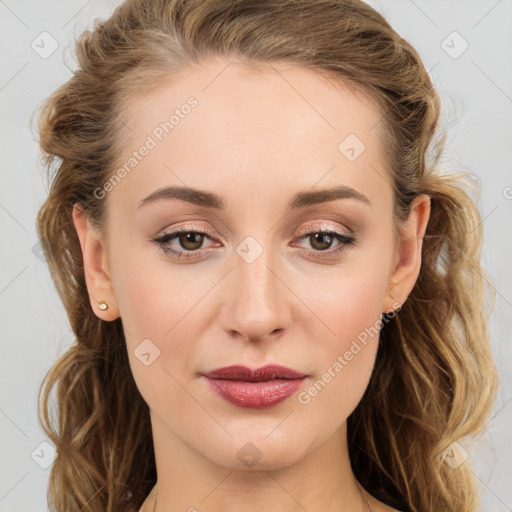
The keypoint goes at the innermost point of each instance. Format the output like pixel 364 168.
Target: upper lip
pixel 268 372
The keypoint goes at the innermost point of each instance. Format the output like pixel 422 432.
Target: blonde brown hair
pixel 434 380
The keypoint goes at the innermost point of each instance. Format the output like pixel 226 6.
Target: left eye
pixel 322 240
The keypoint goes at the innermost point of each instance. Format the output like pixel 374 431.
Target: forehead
pixel 253 130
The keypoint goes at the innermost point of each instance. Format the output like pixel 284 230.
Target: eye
pixel 190 242
pixel 322 239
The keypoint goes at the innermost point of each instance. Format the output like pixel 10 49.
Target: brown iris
pixel 321 238
pixel 191 237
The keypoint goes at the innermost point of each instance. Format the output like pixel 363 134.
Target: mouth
pixel 259 388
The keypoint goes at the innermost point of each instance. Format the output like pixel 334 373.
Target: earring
pixel 103 305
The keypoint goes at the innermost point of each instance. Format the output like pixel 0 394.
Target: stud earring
pixel 103 305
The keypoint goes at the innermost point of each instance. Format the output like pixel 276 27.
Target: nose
pixel 256 296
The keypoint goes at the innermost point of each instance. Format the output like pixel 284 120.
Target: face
pixel 257 275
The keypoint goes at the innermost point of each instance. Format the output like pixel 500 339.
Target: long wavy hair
pixel 434 379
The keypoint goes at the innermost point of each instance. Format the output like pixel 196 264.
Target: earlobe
pixel 95 263
pixel 407 269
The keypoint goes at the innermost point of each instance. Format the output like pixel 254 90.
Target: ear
pixel 95 262
pixel 407 262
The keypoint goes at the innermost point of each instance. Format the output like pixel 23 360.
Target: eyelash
pixel 163 242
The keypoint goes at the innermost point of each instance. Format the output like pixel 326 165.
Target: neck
pixel 320 480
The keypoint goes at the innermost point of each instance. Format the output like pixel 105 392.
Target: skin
pixel 256 138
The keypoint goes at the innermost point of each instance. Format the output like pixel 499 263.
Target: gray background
pixel 476 90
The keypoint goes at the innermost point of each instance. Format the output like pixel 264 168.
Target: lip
pixel 257 388
pixel 267 372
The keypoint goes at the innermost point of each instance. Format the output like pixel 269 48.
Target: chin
pixel 259 452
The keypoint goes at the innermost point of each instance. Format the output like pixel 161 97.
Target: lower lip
pixel 257 395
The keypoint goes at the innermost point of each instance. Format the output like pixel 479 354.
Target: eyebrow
pixel 214 201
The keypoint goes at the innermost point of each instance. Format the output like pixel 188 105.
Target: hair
pixel 434 379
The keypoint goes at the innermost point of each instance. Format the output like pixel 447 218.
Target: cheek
pixel 350 297
pixel 349 303
pixel 161 306
pixel 147 291
pixel 146 315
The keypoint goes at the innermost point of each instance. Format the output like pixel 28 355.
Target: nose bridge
pixel 255 304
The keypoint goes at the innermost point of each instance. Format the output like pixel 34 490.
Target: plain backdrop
pixel 467 48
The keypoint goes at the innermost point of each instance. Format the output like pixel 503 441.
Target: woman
pixel 276 293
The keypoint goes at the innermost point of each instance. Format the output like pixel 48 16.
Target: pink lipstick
pixel 263 387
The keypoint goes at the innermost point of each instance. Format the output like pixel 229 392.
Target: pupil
pixel 324 238
pixel 190 238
